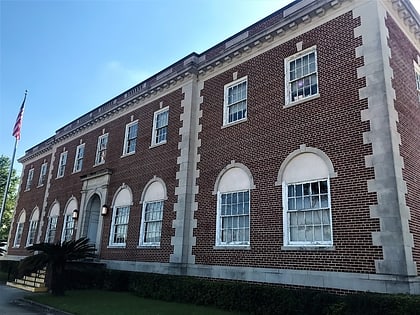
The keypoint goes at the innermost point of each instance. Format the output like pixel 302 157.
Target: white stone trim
pixel 394 238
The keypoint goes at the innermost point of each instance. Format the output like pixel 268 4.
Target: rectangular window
pixel 130 138
pixel 78 160
pixel 51 230
pixel 309 213
pixel 160 126
pixel 234 218
pixel 32 233
pixel 152 226
pixel 62 164
pixel 19 232
pixel 301 75
pixel 68 227
pixel 101 149
pixel 120 226
pixel 417 72
pixel 235 104
pixel 42 174
pixel 29 179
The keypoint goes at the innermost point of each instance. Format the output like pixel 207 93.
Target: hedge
pixel 253 298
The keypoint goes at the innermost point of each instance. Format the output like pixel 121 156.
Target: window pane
pixel 324 201
pixel 234 217
pixel 323 187
pixel 308 213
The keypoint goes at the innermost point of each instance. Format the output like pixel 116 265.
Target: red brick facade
pixel 350 124
pixel 330 123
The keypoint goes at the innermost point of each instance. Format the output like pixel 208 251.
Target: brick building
pixel 288 153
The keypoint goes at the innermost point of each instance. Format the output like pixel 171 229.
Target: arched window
pixel 153 198
pixel 52 223
pixel 233 187
pixel 120 216
pixel 68 224
pixel 33 225
pixel 305 179
pixel 19 229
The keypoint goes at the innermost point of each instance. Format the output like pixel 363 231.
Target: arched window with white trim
pixel 233 188
pixel 52 223
pixel 69 221
pixel 120 216
pixel 33 225
pixel 19 229
pixel 153 199
pixel 305 179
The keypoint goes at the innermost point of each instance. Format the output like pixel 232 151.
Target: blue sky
pixel 74 55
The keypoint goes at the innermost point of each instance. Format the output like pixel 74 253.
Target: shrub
pixel 252 298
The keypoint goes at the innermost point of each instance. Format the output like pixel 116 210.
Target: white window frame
pixel 228 104
pixel 128 138
pixel 101 149
pixel 51 229
pixel 33 225
pixel 156 129
pixel 29 180
pixel 220 240
pixel 78 158
pixel 417 75
pixel 42 174
pixel 302 78
pixel 68 227
pixel 321 209
pixel 19 233
pixel 62 164
pixel 119 226
pixel 150 225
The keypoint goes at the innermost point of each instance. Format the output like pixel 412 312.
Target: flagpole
pixel 16 134
pixel 6 191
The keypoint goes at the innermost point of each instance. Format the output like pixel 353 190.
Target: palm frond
pixel 32 263
pixel 2 248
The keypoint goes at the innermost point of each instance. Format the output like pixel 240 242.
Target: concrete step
pixel 34 279
pixel 27 288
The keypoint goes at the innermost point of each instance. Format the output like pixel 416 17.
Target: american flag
pixel 18 123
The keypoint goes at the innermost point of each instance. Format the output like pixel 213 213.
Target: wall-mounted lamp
pixel 75 214
pixel 104 210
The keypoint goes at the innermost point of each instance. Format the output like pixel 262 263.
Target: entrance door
pixel 92 219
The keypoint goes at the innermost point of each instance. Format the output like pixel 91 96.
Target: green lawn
pixel 95 302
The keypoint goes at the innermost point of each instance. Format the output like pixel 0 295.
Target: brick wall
pixel 407 104
pixel 137 170
pixel 330 123
pixel 28 200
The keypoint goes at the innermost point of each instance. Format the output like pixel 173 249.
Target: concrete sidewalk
pixel 12 302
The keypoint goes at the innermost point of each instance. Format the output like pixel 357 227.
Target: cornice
pixel 408 15
pixel 297 15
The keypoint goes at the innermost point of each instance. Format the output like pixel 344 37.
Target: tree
pixel 11 197
pixel 54 257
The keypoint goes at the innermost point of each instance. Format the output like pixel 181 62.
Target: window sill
pixel 98 164
pixel 234 123
pixel 303 100
pixel 233 247
pixel 128 154
pixel 308 247
pixel 144 246
pixel 116 246
pixel 154 145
